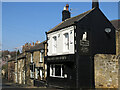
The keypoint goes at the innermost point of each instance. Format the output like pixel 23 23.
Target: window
pixel 32 70
pixel 56 70
pixel 66 42
pixel 54 47
pixel 31 57
pixel 41 73
pixel 41 56
pixel 36 73
pixel 31 74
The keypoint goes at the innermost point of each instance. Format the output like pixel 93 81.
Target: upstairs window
pixel 54 46
pixel 31 57
pixel 41 56
pixel 66 42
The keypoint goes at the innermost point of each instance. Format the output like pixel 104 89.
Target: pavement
pixel 6 85
pixel 12 86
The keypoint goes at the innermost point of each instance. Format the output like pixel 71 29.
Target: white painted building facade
pixel 61 42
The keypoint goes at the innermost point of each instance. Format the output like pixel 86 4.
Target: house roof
pixel 116 23
pixel 36 47
pixel 70 21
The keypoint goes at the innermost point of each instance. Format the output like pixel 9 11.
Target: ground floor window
pixel 57 70
pixel 31 74
pixel 41 73
pixel 36 73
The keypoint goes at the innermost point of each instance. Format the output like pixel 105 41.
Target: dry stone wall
pixel 106 71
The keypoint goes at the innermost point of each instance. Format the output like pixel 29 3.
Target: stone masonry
pixel 106 71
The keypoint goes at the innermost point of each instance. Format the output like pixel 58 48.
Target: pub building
pixel 72 45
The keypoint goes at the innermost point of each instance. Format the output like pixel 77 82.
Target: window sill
pixel 31 78
pixel 41 62
pixel 31 62
pixel 57 76
pixel 67 51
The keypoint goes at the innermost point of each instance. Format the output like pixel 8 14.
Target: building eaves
pixel 37 47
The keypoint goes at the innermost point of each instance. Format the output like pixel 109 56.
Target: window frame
pixel 52 73
pixel 41 73
pixel 42 54
pixel 31 74
pixel 66 47
pixel 31 59
pixel 54 44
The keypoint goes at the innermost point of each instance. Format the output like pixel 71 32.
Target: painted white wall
pixel 60 35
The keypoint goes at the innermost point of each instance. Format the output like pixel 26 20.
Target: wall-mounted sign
pixel 84 49
pixel 84 43
pixel 57 58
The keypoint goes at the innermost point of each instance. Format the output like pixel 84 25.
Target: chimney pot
pixel 67 7
pixel 33 43
pixel 65 13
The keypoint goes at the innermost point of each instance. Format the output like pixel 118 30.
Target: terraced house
pixel 11 69
pixel 21 68
pixel 36 68
pixel 72 45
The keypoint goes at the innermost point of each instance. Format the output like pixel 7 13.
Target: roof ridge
pixel 70 21
pixel 80 14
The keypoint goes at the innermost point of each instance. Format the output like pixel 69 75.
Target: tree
pixel 18 52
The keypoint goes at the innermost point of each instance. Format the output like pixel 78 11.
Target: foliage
pixel 4 67
pixel 18 52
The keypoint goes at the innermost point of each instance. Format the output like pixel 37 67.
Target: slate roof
pixel 116 23
pixel 37 47
pixel 70 21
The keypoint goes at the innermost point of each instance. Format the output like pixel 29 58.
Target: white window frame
pixel 52 71
pixel 54 44
pixel 41 56
pixel 31 57
pixel 36 73
pixel 66 41
pixel 31 74
pixel 41 73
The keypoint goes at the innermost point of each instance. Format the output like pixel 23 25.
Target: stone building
pixel 11 69
pixel 21 68
pixel 36 68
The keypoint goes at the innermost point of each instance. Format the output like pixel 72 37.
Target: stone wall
pixel 21 71
pixel 106 71
pixel 118 53
pixel 11 71
pixel 36 58
pixel 28 80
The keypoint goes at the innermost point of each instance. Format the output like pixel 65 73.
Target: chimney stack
pixel 33 43
pixel 95 4
pixel 65 13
